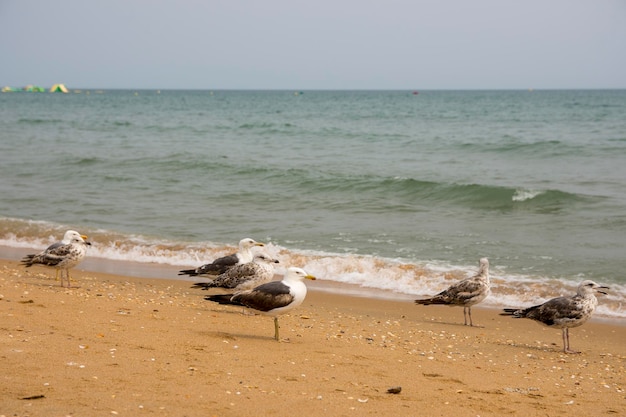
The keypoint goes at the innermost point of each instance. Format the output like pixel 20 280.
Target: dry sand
pixel 126 346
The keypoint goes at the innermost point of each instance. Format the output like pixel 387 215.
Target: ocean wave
pixel 380 276
pixel 27 120
pixel 326 185
pixel 383 193
pixel 84 162
pixel 523 195
pixel 516 147
pixel 414 192
pixel 532 148
pixel 121 123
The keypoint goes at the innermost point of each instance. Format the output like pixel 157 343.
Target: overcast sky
pixel 320 44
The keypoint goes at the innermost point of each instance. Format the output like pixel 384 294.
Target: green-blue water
pixel 363 187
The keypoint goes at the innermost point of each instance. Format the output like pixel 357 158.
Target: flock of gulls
pixel 248 276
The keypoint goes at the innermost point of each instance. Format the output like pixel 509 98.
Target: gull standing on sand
pixel 67 238
pixel 272 298
pixel 221 265
pixel 465 293
pixel 244 276
pixel 563 312
pixel 62 255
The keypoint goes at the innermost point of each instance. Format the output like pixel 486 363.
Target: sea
pixel 393 194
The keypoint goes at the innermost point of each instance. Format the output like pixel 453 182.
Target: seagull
pixel 563 312
pixel 67 238
pixel 243 276
pixel 61 255
pixel 221 265
pixel 466 293
pixel 272 298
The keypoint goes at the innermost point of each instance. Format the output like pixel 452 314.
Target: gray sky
pixel 321 44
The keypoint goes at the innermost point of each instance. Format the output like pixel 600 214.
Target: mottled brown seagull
pixel 563 312
pixel 465 293
pixel 219 266
pixel 244 276
pixel 62 255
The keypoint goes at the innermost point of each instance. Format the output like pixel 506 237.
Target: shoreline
pixel 166 272
pixel 117 345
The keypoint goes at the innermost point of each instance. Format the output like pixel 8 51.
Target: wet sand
pixel 122 345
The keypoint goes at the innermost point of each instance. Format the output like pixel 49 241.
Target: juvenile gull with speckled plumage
pixel 219 266
pixel 465 293
pixel 563 312
pixel 62 255
pixel 244 276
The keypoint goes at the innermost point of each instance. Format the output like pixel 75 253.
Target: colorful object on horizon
pixel 56 88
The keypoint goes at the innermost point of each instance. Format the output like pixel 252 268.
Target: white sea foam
pixel 523 195
pixel 365 275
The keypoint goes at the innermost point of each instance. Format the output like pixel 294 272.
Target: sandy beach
pixel 120 345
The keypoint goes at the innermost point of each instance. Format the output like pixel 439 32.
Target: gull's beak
pixel 601 290
pixel 310 277
pixel 259 244
pixel 85 237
